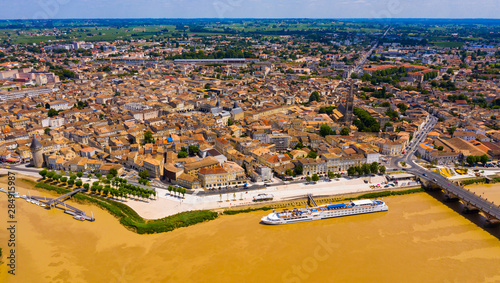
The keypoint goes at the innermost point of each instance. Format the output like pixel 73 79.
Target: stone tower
pixel 36 153
pixel 349 106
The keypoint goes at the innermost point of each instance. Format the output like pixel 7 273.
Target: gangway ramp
pixel 311 201
pixel 65 196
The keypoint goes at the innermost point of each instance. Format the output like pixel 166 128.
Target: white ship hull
pixel 324 212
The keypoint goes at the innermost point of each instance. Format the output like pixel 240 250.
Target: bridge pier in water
pixel 471 202
pixel 449 197
pixel 469 208
pixel 491 221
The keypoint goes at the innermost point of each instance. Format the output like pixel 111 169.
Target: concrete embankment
pixel 322 199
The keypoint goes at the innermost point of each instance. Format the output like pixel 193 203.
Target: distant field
pixel 91 34
pixel 448 44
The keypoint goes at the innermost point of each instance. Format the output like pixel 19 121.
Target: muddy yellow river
pixel 418 240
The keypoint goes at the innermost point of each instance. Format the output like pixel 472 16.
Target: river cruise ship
pixel 325 211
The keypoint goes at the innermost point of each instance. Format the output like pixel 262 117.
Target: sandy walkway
pixel 167 204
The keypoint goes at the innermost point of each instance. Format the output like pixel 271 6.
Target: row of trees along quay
pixel 113 186
pixel 176 190
pixel 373 168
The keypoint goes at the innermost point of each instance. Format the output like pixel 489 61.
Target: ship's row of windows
pixel 364 209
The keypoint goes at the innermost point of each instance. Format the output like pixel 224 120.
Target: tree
pixel 144 174
pixel 382 169
pixel 344 131
pixel 98 175
pixel 351 171
pixel 364 121
pixel 328 110
pixel 79 183
pixel 366 168
pixel 86 186
pixel 169 189
pixel 331 175
pixel 52 113
pixel 193 150
pixel 308 178
pixel 289 172
pixel 64 179
pixel 183 191
pixel 374 167
pixel 402 107
pixel 484 158
pixel 113 172
pixel 71 182
pixel 299 145
pixel 47 105
pixel 314 96
pixel 325 130
pixel 452 130
pixel 299 170
pixel 79 174
pixel 315 177
pixel 182 154
pixel 50 174
pixel 46 131
pixel 312 154
pixel 471 159
pixel 148 137
pixel 359 170
pixel 43 173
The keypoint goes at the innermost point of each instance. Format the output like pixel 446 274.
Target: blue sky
pixel 58 9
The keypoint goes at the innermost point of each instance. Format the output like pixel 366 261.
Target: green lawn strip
pixel 130 219
pixel 389 193
pixel 233 212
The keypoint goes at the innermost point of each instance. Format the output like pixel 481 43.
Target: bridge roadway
pixel 487 207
